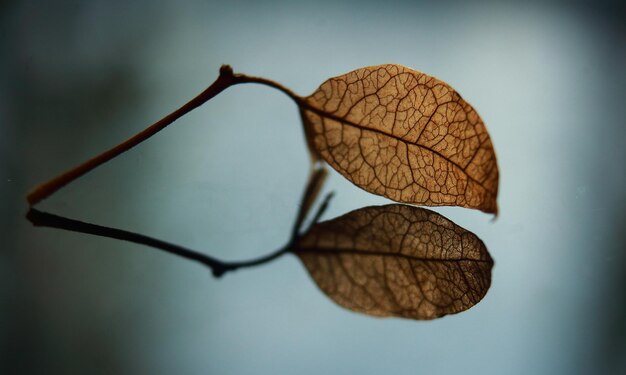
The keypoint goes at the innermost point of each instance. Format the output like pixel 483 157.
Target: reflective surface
pixel 76 79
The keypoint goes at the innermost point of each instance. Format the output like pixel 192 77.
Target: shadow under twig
pixel 218 267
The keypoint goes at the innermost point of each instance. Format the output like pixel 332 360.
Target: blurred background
pixel 78 77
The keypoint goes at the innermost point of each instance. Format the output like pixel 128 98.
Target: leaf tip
pixel 495 212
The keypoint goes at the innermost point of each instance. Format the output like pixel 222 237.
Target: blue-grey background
pixel 78 77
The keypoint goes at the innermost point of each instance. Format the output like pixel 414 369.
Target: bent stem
pixel 225 79
pixel 218 267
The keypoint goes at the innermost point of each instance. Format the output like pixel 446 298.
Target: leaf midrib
pixel 363 128
pixel 339 251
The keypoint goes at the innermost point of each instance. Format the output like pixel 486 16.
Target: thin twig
pixel 218 267
pixel 312 190
pixel 225 79
pixel 320 210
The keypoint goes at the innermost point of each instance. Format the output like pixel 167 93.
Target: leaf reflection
pixel 397 260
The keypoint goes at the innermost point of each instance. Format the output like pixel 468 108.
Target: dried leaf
pixel 405 135
pixel 397 260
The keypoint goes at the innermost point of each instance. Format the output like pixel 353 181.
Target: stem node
pixel 226 70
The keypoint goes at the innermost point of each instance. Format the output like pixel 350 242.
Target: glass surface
pixel 76 78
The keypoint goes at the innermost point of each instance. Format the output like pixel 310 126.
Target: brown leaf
pixel 399 133
pixel 397 260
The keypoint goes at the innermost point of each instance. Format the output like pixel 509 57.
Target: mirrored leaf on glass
pixel 397 260
pixel 405 135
